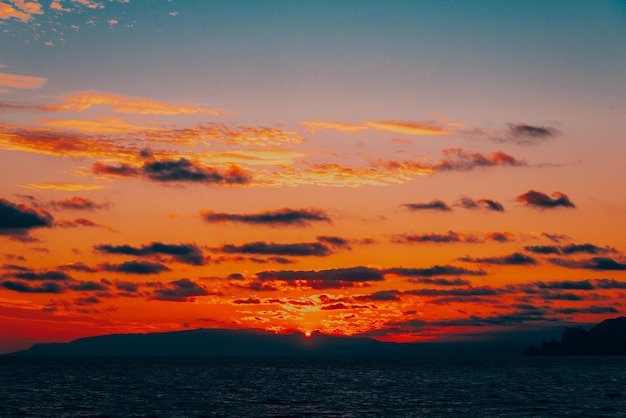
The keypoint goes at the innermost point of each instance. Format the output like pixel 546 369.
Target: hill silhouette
pixel 606 338
pixel 253 343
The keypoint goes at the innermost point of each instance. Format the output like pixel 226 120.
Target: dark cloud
pixel 280 217
pixel 543 249
pixel 15 267
pixel 276 259
pixel 467 291
pixel 522 133
pixel 381 296
pixel 446 238
pixel 543 201
pixel 337 242
pixel 91 300
pixel 270 248
pixel 441 282
pixel 515 318
pixel 491 204
pixel 595 263
pixel 16 219
pixel 610 284
pixel 88 286
pixel 77 203
pixel 469 203
pixel 566 284
pixel 176 171
pixel 569 249
pixel 182 290
pixel 122 170
pixel 434 271
pixel 325 279
pixel 77 267
pixel 66 223
pixel 499 236
pixel 126 286
pixel 586 248
pixel 555 237
pixel 432 205
pixel 135 267
pixel 588 310
pixel 46 287
pixel 183 170
pixel 184 253
pixel 247 301
pixel 515 259
pixel 44 275
pixel 459 160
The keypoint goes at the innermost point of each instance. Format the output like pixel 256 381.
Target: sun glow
pixel 307 334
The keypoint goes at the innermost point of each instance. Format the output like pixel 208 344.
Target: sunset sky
pixel 405 170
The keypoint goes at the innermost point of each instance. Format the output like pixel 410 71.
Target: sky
pixel 406 170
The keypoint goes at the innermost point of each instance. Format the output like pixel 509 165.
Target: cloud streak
pixel 279 217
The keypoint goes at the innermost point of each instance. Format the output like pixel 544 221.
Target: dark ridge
pixel 606 338
pixel 254 343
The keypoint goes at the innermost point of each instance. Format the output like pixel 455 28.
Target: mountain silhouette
pixel 606 338
pixel 253 343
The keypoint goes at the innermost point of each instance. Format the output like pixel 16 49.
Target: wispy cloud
pixel 129 105
pixel 20 81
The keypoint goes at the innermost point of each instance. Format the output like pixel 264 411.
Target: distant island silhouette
pixel 606 338
pixel 255 343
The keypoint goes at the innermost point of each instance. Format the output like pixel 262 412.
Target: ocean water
pixel 424 387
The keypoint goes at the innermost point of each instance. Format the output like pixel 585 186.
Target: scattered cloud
pixel 135 267
pixel 183 290
pixel 176 171
pixel 595 263
pixel 515 259
pixel 16 219
pixel 269 248
pixel 436 204
pixel 522 133
pixel 279 217
pixel 77 203
pixel 437 270
pixel 569 249
pixel 433 238
pixel 184 253
pixel 489 204
pixel 47 287
pixel 325 279
pixel 541 200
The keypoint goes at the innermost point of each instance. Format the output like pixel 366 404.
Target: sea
pixel 516 386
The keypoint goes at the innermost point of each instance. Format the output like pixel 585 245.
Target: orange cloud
pixel 338 126
pixel 129 105
pixel 20 81
pixel 408 127
pixel 56 185
pixel 102 125
pixel 23 10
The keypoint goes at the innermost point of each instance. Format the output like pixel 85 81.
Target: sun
pixel 307 334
